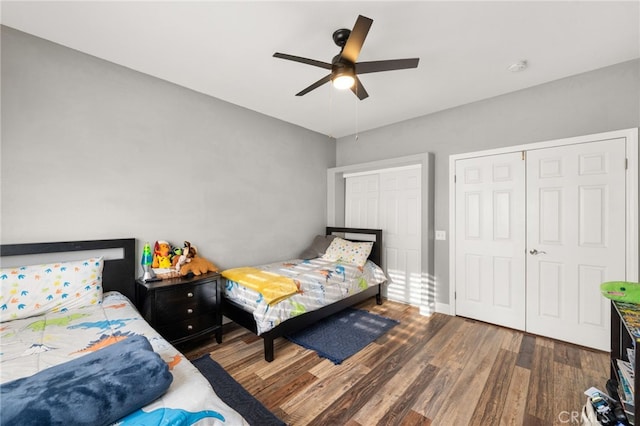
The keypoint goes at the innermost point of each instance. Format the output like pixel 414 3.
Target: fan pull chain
pixel 331 112
pixel 357 109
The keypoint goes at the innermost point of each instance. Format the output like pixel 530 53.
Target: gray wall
pixel 92 150
pixel 593 102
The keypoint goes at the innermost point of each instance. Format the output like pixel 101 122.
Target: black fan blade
pixel 359 90
pixel 351 49
pixel 315 85
pixel 303 60
pixel 390 65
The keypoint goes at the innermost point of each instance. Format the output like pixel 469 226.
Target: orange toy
pixel 161 255
pixel 195 264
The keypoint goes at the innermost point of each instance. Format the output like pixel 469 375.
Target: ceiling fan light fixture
pixel 343 75
pixel 343 81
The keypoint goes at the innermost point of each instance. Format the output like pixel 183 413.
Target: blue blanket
pixel 95 389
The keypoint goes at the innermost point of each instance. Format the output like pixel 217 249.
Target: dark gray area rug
pixel 236 397
pixel 343 334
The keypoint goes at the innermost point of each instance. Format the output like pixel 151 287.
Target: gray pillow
pixel 318 247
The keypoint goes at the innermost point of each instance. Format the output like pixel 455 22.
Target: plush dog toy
pixel 186 254
pixel 192 263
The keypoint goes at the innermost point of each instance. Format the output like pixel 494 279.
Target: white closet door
pixel 362 194
pixel 391 200
pixel 400 218
pixel 490 239
pixel 576 239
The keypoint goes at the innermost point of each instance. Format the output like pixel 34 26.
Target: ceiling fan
pixel 343 66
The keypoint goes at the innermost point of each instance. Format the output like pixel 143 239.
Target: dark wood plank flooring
pixel 438 370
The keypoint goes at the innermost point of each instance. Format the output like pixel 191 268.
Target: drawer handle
pixel 189 311
pixel 189 327
pixel 189 294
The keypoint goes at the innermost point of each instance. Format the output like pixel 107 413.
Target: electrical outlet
pixel 441 235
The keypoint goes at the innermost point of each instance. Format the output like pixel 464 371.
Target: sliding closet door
pixel 575 239
pixel 400 218
pixel 490 239
pixel 391 200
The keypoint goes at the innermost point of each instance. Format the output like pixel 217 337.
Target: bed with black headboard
pixel 70 303
pixel 244 312
pixel 118 273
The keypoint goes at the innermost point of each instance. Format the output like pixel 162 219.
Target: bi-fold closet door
pixel 536 233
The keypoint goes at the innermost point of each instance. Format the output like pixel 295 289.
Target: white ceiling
pixel 225 49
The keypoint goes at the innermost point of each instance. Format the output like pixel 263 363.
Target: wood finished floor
pixel 437 370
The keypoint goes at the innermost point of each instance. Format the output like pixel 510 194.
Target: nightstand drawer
pixel 188 327
pixel 184 302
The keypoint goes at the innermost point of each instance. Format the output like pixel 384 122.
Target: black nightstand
pixel 184 308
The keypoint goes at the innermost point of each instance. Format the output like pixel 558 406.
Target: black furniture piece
pixel 236 313
pixel 625 334
pixel 182 308
pixel 118 273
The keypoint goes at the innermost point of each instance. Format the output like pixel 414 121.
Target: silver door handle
pixel 536 252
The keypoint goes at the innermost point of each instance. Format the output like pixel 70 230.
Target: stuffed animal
pixel 176 252
pixel 186 254
pixel 621 291
pixel 161 255
pixel 195 264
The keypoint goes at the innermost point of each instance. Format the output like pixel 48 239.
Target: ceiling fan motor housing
pixel 338 62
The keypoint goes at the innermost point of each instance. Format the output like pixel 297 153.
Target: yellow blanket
pixel 273 287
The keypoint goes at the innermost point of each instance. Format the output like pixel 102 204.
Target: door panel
pixel 490 239
pixel 361 201
pixel 391 200
pixel 400 217
pixel 576 223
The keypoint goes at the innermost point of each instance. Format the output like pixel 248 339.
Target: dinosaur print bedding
pixel 321 282
pixel 32 344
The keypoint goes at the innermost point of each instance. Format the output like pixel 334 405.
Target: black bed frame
pixel 236 313
pixel 117 274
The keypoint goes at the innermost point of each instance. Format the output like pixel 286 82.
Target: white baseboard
pixel 443 308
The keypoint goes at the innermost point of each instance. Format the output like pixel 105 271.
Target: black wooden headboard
pixel 376 252
pixel 117 275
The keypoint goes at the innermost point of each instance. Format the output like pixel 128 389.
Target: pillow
pixel 348 252
pixel 318 247
pixel 53 287
pixel 94 389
